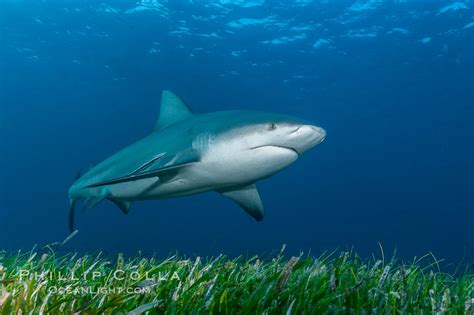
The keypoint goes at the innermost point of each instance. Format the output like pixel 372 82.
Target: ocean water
pixel 390 81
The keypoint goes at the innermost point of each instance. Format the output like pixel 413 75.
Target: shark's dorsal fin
pixel 172 110
pixel 248 198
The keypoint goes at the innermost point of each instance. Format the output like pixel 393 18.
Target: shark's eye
pixel 273 126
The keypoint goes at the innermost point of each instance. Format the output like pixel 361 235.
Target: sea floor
pixel 44 281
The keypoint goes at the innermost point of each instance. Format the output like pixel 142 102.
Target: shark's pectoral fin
pixel 170 160
pixel 248 198
pixel 162 168
pixel 123 205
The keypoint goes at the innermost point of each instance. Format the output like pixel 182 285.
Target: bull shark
pixel 187 153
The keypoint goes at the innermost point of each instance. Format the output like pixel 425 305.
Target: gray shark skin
pixel 186 154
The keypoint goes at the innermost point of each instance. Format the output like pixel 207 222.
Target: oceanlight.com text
pixel 97 290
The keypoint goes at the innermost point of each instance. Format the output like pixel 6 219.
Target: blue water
pixel 390 81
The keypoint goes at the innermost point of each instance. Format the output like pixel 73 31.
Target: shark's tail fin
pixel 71 214
pixel 73 201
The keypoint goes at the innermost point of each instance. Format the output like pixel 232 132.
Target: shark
pixel 187 153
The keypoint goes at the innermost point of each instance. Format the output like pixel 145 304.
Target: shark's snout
pixel 319 134
pixel 306 137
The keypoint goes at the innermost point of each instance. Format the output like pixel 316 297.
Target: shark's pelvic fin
pixel 174 164
pixel 172 110
pixel 123 205
pixel 248 198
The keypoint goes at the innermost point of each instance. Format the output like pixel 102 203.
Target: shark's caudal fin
pixel 172 110
pixel 71 214
pixel 248 198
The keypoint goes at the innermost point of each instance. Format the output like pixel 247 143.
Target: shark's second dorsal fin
pixel 172 110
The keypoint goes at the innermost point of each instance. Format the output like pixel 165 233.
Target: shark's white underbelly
pixel 217 170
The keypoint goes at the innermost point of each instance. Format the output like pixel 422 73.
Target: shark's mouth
pixel 275 146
